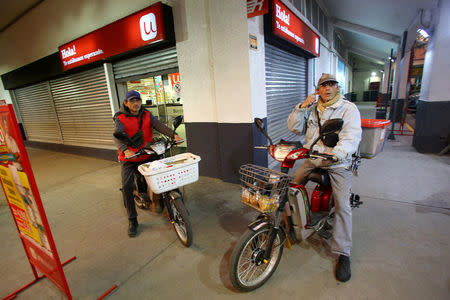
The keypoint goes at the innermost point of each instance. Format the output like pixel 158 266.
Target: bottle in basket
pixel 256 199
pixel 245 195
pixel 275 201
pixel 265 203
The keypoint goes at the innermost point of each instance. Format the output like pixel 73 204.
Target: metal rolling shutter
pixel 286 86
pixel 38 113
pixel 146 64
pixel 83 109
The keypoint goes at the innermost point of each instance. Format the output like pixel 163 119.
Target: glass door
pixel 161 96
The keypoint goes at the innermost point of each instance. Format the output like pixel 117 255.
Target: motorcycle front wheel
pixel 247 268
pixel 181 222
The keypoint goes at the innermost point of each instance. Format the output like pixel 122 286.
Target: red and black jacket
pixel 124 121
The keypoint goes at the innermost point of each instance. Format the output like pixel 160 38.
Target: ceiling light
pixel 374 73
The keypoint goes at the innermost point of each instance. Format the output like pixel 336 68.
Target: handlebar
pixel 325 156
pixel 148 149
pixel 309 154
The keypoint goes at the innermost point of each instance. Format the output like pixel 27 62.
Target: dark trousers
pixel 129 172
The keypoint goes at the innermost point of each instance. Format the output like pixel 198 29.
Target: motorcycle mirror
pixel 331 126
pixel 177 121
pixel 260 125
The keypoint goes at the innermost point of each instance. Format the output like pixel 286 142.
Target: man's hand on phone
pixel 309 100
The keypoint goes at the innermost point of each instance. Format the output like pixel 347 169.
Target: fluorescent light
pixel 374 73
pixel 423 33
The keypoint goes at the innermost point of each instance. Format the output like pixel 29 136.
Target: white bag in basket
pixel 170 173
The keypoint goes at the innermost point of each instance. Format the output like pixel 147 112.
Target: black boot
pixel 132 228
pixel 343 272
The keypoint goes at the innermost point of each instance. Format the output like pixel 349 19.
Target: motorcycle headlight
pixel 281 151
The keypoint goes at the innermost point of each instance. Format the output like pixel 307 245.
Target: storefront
pixel 156 77
pixel 289 43
pixel 94 73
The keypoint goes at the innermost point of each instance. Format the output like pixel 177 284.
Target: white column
pixel 257 68
pixel 112 91
pixel 436 69
pixel 214 62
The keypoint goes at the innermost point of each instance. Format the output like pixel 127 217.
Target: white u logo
pixel 148 27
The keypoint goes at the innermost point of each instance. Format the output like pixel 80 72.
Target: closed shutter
pixel 38 113
pixel 286 86
pixel 151 64
pixel 83 109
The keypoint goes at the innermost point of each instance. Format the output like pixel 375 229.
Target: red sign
pixel 17 179
pixel 257 7
pixel 175 78
pixel 139 29
pixel 288 26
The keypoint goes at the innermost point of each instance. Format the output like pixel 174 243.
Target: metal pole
pixel 384 107
pixel 389 75
pixel 394 109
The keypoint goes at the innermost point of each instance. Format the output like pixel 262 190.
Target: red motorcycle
pixel 258 251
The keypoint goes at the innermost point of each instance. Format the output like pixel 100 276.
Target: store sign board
pixel 137 30
pixel 257 7
pixel 288 26
pixel 25 203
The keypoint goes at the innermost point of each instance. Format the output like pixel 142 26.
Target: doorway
pixel 161 96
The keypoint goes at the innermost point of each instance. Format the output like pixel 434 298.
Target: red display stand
pixel 26 206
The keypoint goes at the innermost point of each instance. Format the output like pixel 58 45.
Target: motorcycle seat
pixel 297 144
pixel 320 176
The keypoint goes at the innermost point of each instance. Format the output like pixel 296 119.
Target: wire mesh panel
pixel 262 188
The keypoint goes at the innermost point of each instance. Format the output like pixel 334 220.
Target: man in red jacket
pixel 138 123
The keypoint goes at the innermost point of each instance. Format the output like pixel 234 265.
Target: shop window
pixel 308 9
pixel 161 96
pixel 315 14
pixel 299 4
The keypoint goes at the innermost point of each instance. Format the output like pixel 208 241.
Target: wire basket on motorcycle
pixel 262 188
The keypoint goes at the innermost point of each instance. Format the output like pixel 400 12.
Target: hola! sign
pixel 288 26
pixel 257 8
pixel 25 204
pixel 137 30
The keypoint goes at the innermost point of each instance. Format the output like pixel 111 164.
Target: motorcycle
pixel 287 214
pixel 161 179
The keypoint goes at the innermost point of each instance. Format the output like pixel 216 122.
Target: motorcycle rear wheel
pixel 247 271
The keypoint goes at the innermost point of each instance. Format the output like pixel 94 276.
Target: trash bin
pixel 373 136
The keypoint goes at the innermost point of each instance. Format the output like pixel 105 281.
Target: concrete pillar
pixel 214 67
pixel 433 109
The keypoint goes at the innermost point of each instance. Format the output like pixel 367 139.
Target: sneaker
pixel 132 228
pixel 343 272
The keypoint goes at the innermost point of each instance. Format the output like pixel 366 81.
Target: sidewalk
pixel 400 236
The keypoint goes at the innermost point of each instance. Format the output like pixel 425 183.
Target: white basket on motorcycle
pixel 170 173
pixel 262 188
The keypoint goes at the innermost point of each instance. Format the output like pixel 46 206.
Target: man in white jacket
pixel 305 118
